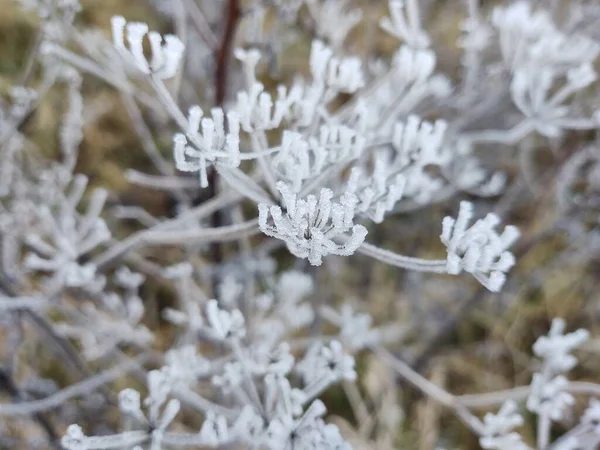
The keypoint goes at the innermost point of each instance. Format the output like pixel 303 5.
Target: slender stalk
pixel 405 262
pixel 195 236
pixel 76 390
pixel 118 250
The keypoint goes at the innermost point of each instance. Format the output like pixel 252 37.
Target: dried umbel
pixel 206 141
pixel 478 249
pixel 311 226
pixel 166 56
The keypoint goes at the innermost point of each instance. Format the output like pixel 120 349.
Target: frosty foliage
pixel 214 337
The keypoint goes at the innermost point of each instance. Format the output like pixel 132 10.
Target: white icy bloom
pixel 127 279
pixel 281 399
pixel 519 28
pixel 101 330
pixel 549 397
pixel 130 401
pixel 338 142
pixel 412 80
pixel 325 13
pixel 345 74
pixel 159 386
pixel 531 39
pixel 166 55
pixel 377 194
pixel 185 366
pixel 555 348
pixel 510 441
pixel 413 65
pixel 476 36
pixel 74 439
pixel 478 249
pixel 307 432
pixel 296 161
pixel 498 429
pixel 214 431
pixel 160 411
pixel 355 329
pixel 130 404
pixel 255 109
pixel 301 103
pixel 231 378
pixel 178 271
pixel 292 287
pixel 191 317
pixel 466 172
pixel 339 74
pixel 405 23
pixel 326 364
pixel 299 160
pixel 532 93
pixel 64 236
pixel 310 227
pixel 230 291
pixel 417 145
pixel 420 142
pixel 591 416
pixel 249 427
pixel 222 324
pixel 278 361
pixel 288 9
pixel 206 141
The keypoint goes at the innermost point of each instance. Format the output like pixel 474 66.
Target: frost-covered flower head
pixel 338 74
pixel 255 109
pixel 532 92
pixel 64 235
pixel 129 280
pixel 224 324
pixel 326 364
pixel 556 347
pixel 549 397
pixel 185 365
pixel 213 144
pixel 309 226
pixel 530 39
pixel 306 432
pixel 498 429
pixel 355 329
pixel 478 249
pixel 102 329
pixel 166 55
pixel 591 416
pixel 300 161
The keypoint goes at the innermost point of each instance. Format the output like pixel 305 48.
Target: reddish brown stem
pixel 232 17
pixel 222 57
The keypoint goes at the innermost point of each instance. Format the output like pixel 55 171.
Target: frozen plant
pixel 167 235
pixel 166 55
pixel 478 248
